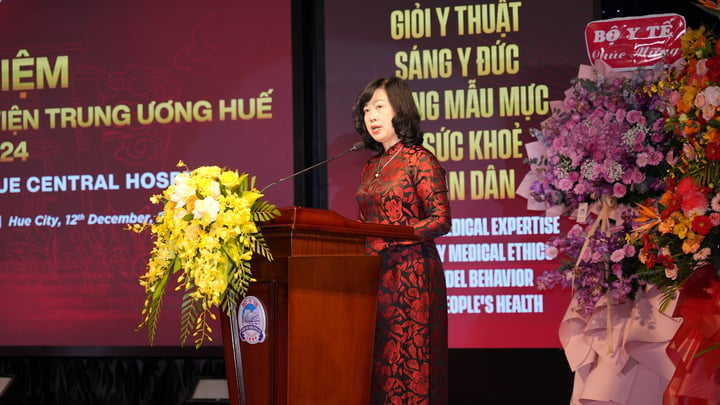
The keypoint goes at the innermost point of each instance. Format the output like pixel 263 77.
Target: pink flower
pixel 638 176
pixel 700 100
pixel 714 218
pixel 620 115
pixel 702 254
pixel 617 255
pixel 701 69
pixel 635 117
pixel 576 232
pixel 597 172
pixel 608 117
pixel 581 188
pixel 629 250
pixel 551 252
pixel 655 157
pixel 715 203
pixel 565 184
pixel 619 190
pixel 627 177
pixel 712 95
pixel 708 112
pixel 689 152
pixel 617 270
pixel 674 97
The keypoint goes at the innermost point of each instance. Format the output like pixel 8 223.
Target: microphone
pixel 357 146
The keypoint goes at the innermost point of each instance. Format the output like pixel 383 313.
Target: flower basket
pixel 204 238
pixel 679 232
pixel 601 151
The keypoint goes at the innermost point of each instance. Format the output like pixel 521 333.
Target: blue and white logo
pixel 253 321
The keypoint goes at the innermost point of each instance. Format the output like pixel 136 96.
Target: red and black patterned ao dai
pixel 405 185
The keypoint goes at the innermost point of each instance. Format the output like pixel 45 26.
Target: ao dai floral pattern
pixel 410 360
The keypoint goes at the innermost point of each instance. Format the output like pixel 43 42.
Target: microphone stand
pixel 356 146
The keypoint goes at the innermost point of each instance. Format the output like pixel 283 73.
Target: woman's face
pixel 378 115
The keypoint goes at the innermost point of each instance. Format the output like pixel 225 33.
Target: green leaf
pixel 188 317
pixel 263 211
pixel 152 309
pixel 176 265
pixel 261 248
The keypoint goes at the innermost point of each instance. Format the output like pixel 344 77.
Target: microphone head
pixel 358 145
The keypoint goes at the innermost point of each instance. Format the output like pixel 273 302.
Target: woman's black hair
pixel 407 117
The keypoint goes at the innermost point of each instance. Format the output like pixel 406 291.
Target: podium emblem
pixel 253 320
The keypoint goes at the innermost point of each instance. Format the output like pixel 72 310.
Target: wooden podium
pixel 319 295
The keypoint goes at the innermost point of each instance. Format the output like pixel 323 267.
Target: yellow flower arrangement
pixel 206 234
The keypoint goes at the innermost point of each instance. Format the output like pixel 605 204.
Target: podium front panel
pixel 320 293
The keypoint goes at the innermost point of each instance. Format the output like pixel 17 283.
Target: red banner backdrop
pixel 483 75
pixel 98 103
